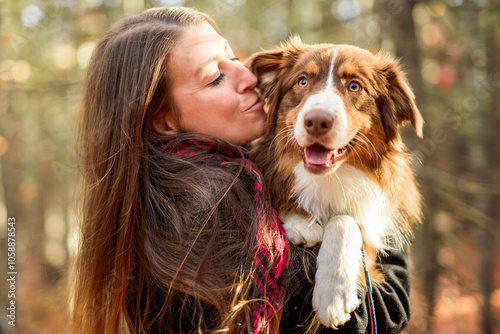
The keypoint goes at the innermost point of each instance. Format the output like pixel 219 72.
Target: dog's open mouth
pixel 318 158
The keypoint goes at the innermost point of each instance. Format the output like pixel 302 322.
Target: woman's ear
pixel 163 125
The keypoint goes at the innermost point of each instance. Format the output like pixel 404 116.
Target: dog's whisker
pixel 368 147
pixel 359 160
pixel 279 138
pixel 368 141
pixel 282 134
pixel 288 140
pixel 341 186
pixel 287 133
pixel 278 135
pixel 361 147
pixel 369 144
pixel 354 150
pixel 368 152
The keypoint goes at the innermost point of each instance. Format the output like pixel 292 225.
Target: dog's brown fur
pixel 376 113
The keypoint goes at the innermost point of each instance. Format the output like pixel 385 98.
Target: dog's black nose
pixel 318 122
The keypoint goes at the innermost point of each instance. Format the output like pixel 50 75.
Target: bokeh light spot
pixel 63 55
pixel 495 298
pixel 83 54
pixel 32 15
pixel 436 10
pixel 21 71
pixel 346 9
pixel 4 145
pixel 27 192
pixel 55 253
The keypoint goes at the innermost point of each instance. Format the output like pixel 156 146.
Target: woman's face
pixel 213 92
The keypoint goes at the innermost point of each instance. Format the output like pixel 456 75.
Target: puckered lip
pixel 256 105
pixel 319 159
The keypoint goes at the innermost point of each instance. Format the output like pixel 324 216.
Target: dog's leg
pixel 299 230
pixel 335 292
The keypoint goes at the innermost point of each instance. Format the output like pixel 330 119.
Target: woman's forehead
pixel 198 47
pixel 199 42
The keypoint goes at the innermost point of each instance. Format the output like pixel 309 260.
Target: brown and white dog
pixel 334 161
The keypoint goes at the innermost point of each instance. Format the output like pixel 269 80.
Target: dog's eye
pixel 302 82
pixel 354 86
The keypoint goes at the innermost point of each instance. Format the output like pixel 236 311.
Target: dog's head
pixel 333 103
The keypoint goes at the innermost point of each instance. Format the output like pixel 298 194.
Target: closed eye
pixel 218 80
pixel 222 75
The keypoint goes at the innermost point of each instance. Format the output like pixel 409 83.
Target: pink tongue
pixel 317 155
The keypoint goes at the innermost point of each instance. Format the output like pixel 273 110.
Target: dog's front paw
pixel 334 301
pixel 301 231
pixel 335 293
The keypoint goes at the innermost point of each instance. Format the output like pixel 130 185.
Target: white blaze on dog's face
pixel 323 114
pixel 333 104
pixel 322 127
pixel 332 109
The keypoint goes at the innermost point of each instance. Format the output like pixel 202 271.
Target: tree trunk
pixel 478 159
pixel 407 49
pixel 490 173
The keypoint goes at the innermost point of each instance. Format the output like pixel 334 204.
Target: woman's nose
pixel 246 80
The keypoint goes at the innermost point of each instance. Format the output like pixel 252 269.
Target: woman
pixel 178 235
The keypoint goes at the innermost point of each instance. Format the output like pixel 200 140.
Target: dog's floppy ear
pixel 397 103
pixel 269 67
pixel 266 65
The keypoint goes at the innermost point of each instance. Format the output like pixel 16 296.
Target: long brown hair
pixel 156 248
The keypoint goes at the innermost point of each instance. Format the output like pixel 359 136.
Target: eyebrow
pixel 200 69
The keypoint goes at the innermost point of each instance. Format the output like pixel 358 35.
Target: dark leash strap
pixel 371 304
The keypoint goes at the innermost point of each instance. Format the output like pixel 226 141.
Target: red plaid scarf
pixel 271 252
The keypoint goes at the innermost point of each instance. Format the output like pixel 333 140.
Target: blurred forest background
pixel 449 48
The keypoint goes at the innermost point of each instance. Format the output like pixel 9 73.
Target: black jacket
pixel 392 302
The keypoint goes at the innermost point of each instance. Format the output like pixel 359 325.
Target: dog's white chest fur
pixel 348 191
pixel 346 209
